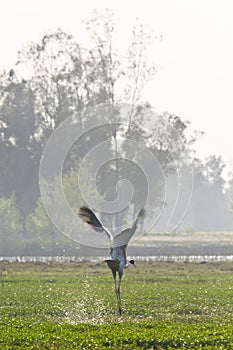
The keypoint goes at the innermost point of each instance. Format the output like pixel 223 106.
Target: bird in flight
pixel 118 246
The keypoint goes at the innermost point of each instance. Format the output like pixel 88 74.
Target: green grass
pixel 72 306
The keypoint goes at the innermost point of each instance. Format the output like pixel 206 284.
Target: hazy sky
pixel 194 60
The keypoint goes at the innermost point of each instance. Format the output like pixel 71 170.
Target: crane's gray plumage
pixel 118 245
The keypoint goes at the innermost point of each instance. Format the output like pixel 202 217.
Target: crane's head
pixel 132 262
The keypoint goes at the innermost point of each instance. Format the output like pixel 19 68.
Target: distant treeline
pixel 57 78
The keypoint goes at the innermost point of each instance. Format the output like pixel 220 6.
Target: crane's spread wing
pixel 124 236
pixel 91 219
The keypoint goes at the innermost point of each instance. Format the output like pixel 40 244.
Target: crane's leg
pixel 119 296
pixel 117 290
pixel 115 284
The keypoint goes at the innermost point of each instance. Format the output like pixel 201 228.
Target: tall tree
pixel 209 209
pixel 18 161
pixel 63 78
pixel 10 226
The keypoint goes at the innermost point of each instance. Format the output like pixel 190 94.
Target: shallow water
pixel 62 259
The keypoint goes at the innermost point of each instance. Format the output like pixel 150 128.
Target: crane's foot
pixel 120 311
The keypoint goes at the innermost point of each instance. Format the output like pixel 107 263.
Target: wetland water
pixel 61 259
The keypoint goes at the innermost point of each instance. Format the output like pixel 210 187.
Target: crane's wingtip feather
pixel 142 212
pixel 87 215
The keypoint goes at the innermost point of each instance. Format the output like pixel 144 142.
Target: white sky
pixel 194 59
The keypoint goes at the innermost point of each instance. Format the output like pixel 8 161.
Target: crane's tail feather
pixel 90 218
pixel 113 264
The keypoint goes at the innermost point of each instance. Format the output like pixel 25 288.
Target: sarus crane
pixel 118 245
